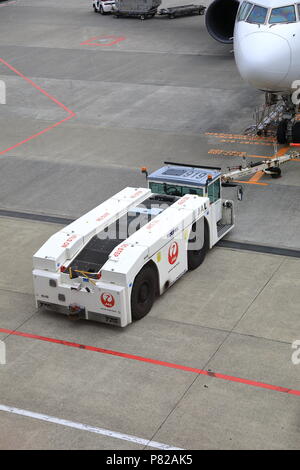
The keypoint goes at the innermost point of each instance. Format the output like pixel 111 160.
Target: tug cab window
pixel 258 15
pixel 214 191
pixel 283 15
pixel 174 189
pixel 244 11
pixel 187 190
pixel 157 188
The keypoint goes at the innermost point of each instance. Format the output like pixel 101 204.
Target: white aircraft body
pixel 266 38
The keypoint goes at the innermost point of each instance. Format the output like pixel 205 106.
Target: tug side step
pixel 223 228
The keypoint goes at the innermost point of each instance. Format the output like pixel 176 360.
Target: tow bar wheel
pixel 143 293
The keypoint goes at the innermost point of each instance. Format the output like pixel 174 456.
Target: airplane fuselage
pixel 267 44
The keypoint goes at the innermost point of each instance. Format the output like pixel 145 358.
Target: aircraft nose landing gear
pixel 282 131
pixel 278 118
pixel 288 131
pixel 296 132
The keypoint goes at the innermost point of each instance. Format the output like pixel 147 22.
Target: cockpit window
pixel 258 15
pixel 283 15
pixel 244 10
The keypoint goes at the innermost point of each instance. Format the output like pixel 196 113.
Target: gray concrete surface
pixel 159 94
pixel 207 320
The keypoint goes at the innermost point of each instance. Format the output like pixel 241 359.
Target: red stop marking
pixel 103 41
pixel 107 300
pixel 173 252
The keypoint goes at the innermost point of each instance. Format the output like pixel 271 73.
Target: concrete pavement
pixel 167 91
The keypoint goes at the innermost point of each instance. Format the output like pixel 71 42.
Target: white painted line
pixel 86 427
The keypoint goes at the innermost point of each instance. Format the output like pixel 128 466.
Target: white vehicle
pixel 109 265
pixel 266 42
pixel 102 6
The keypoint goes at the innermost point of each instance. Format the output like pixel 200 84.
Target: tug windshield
pixel 174 190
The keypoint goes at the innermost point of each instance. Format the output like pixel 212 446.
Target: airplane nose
pixel 263 59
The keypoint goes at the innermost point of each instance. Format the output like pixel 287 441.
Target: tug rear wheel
pixel 282 132
pixel 296 133
pixel 143 292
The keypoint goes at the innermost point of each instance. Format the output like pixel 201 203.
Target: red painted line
pixel 171 365
pixel 36 86
pixel 44 92
pixel 35 135
pixel 114 40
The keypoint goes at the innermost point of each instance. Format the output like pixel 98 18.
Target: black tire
pixel 101 11
pixel 143 292
pixel 282 132
pixel 196 257
pixel 276 172
pixel 296 133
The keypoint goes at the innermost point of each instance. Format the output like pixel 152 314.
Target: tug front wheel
pixel 143 292
pixel 197 256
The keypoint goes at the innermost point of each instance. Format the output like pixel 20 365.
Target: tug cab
pixel 179 179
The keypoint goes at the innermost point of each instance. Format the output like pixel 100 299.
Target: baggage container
pixel 137 8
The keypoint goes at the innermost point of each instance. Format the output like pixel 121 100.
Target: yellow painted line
pixel 282 151
pixel 264 157
pixel 256 177
pixel 246 142
pixel 251 182
pixel 234 153
pixel 241 137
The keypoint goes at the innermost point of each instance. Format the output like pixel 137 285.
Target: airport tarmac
pixel 89 100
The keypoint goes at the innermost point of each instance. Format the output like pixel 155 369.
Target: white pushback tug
pixel 109 265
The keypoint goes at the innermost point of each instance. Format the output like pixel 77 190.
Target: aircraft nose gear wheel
pixel 296 133
pixel 282 132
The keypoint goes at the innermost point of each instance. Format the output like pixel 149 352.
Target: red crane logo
pixel 173 252
pixel 107 300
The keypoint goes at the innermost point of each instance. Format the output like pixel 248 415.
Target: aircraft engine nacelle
pixel 220 19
